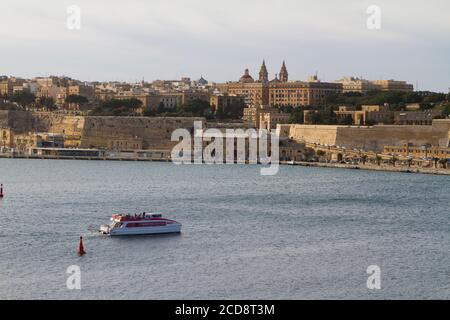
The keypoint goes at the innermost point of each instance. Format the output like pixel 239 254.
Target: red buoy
pixel 81 248
pixel 1 190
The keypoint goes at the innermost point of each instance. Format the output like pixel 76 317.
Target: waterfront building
pixel 6 137
pixel 422 152
pixel 65 152
pixel 290 150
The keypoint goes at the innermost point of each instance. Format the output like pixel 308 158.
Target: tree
pixel 413 97
pixel 434 98
pixel 47 102
pixel 149 112
pixel 364 159
pixel 235 110
pixel 23 97
pixel 297 116
pixel 409 162
pixel 197 107
pixel 435 160
pixel 323 116
pixel 161 108
pixel 80 101
pixel 74 98
pixel 445 108
pixel 379 158
pixel 220 114
pixel 117 107
pixel 394 160
pixel 286 109
pixel 320 153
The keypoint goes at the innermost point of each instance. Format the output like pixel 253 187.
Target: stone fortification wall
pixel 370 138
pixel 154 132
pixel 59 123
pixel 17 121
pixel 100 132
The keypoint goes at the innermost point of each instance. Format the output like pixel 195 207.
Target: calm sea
pixel 302 234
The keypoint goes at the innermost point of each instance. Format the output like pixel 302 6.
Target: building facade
pixel 381 114
pixel 280 91
pixel 423 152
pixel 354 84
pixel 265 117
pixel 225 100
pixel 393 85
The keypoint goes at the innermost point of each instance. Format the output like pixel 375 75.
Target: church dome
pixel 246 77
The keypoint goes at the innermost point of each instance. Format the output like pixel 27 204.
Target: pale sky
pixel 167 39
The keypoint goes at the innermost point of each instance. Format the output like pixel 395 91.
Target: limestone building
pixel 381 114
pixel 280 91
pixel 225 100
pixel 393 85
pixel 354 84
pixel 265 117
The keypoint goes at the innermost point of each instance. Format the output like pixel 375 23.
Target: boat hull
pixel 172 228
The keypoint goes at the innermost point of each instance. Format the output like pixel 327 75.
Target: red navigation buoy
pixel 81 248
pixel 1 190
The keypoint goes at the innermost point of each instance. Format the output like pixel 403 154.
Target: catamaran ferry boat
pixel 141 224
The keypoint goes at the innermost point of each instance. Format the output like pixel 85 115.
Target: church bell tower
pixel 263 74
pixel 284 75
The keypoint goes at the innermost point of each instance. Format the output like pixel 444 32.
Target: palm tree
pixel 409 162
pixel 379 158
pixel 394 160
pixel 364 158
pixel 435 160
pixel 320 154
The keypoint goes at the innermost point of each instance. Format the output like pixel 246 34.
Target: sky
pixel 169 39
